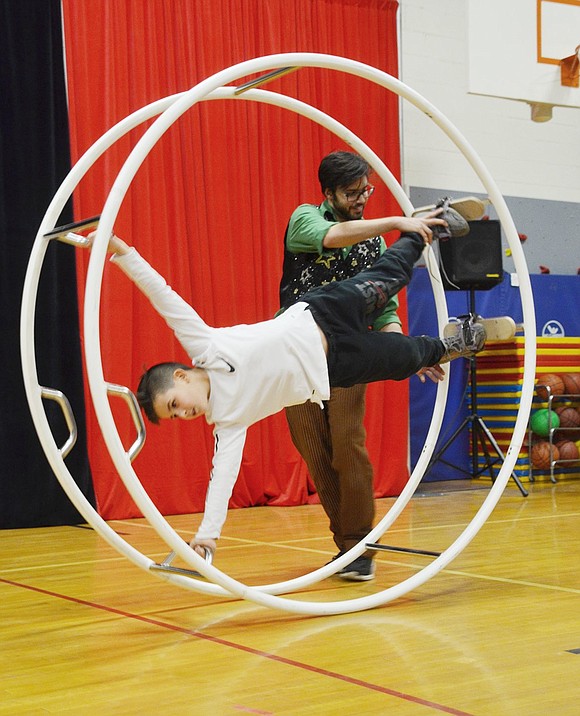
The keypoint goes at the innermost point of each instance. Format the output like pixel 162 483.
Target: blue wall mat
pixel 556 299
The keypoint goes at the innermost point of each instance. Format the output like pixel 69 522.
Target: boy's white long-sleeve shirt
pixel 254 371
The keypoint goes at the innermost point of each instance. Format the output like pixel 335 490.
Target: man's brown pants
pixel 332 442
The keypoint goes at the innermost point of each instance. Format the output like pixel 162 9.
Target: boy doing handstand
pixel 244 373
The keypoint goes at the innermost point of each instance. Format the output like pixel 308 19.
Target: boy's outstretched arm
pixel 189 328
pixel 228 449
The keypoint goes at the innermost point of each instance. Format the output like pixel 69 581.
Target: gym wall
pixel 535 165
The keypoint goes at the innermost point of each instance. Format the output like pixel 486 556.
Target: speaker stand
pixel 480 433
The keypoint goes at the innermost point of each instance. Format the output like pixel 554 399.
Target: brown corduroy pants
pixel 332 443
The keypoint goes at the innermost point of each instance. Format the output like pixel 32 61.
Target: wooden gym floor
pixel 497 633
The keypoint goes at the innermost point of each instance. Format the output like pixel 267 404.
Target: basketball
pixel 543 420
pixel 542 456
pixel 571 383
pixel 569 417
pixel 567 450
pixel 549 384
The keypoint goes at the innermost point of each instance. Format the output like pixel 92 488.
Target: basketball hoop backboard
pixel 518 54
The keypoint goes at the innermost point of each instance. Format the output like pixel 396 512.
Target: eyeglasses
pixel 352 196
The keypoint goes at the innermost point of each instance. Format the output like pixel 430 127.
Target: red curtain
pixel 210 204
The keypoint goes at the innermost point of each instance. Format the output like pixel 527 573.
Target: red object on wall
pixel 209 208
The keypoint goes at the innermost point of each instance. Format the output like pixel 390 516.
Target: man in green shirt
pixel 326 243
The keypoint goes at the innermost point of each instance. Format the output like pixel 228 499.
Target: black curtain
pixel 34 159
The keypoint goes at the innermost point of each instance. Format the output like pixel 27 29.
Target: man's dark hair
pixel 339 169
pixel 156 380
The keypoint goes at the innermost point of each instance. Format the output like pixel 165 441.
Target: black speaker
pixel 473 261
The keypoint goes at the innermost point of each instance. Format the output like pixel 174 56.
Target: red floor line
pixel 248 649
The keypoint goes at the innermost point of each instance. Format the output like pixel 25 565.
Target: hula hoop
pixel 176 107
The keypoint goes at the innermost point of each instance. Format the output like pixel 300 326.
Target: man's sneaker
pixel 463 338
pixel 361 570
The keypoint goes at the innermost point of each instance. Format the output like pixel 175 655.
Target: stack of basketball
pixel 546 422
pixel 557 384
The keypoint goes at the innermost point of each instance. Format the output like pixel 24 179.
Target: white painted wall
pixel 527 159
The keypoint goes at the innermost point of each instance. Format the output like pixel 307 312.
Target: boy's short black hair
pixel 340 169
pixel 157 379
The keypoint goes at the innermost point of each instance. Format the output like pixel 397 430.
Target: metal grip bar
pixel 70 233
pixel 74 239
pixel 131 400
pixel 165 565
pixel 208 556
pixel 264 79
pixel 60 398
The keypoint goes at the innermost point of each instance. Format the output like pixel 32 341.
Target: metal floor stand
pixel 480 433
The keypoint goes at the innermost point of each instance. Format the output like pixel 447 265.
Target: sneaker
pixel 361 570
pixel 456 224
pixel 467 339
pixel 459 212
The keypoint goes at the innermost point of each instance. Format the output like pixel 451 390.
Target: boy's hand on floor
pixel 200 545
